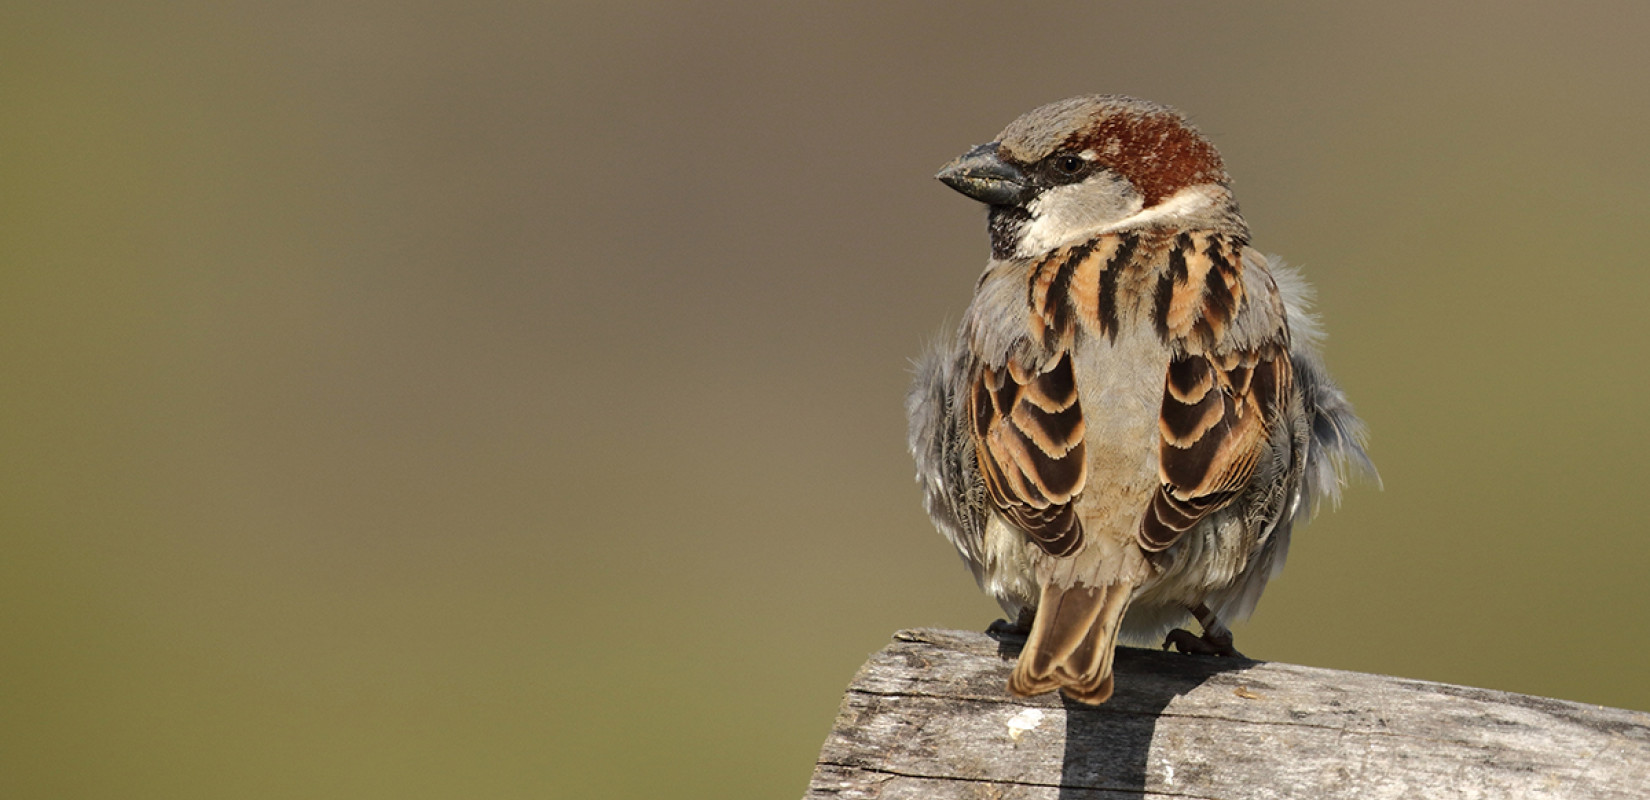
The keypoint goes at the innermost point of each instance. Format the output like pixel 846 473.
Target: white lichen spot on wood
pixel 1024 722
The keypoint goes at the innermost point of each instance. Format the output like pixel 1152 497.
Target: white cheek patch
pixel 1104 203
pixel 1064 214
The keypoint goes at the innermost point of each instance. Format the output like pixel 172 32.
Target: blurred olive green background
pixel 505 400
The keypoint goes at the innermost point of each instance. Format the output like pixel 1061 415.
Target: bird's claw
pixel 1209 644
pixel 1003 629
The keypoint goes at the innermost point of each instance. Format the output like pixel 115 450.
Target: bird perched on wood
pixel 1133 414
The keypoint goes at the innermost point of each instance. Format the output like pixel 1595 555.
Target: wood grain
pixel 927 717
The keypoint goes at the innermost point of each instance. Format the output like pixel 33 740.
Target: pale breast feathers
pixel 1222 392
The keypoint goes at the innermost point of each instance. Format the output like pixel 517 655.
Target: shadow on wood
pixel 928 717
pixel 1106 746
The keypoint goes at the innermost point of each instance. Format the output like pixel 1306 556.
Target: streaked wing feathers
pixel 1028 430
pixel 1217 414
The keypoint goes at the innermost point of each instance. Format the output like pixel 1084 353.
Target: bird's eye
pixel 1069 166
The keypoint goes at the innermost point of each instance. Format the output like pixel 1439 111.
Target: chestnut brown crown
pixel 1149 144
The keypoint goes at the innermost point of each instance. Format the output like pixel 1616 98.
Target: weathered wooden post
pixel 927 717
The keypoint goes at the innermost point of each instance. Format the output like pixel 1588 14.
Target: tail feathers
pixel 1072 642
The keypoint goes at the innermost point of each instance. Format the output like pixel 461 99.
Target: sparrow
pixel 1133 414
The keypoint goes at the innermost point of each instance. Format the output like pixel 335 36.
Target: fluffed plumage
pixel 1133 415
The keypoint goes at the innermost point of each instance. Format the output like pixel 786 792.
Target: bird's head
pixel 1091 165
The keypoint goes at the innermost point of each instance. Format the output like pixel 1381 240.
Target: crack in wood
pixel 1009 701
pixel 1009 781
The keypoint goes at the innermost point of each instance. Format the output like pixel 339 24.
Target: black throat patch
pixel 1006 225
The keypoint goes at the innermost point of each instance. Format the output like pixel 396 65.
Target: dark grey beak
pixel 982 175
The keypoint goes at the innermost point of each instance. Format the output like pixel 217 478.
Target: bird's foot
pixel 1003 629
pixel 1209 644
